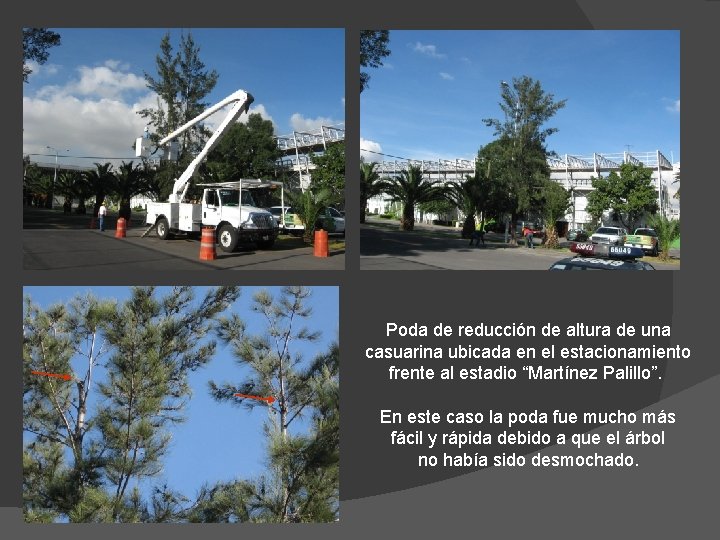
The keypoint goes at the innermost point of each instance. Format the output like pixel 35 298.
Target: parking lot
pixel 430 247
pixel 54 241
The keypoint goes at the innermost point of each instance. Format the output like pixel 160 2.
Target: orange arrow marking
pixel 269 399
pixel 63 376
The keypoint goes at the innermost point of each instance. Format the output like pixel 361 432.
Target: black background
pixel 674 490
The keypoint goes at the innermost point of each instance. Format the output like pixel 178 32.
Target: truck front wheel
pixel 265 244
pixel 162 228
pixel 227 238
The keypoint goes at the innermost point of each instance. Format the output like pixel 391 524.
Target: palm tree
pixel 130 180
pixel 307 205
pixel 677 181
pixel 410 188
pixel 466 195
pixel 668 230
pixel 37 185
pixel 369 185
pixel 72 185
pixel 99 182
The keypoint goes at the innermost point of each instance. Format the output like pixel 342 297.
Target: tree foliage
pixel 246 150
pixel 127 365
pixel 373 48
pixel 36 45
pixel 37 186
pixel 521 143
pixel 182 84
pixel 629 195
pixel 302 480
pixel 329 172
pixel 555 203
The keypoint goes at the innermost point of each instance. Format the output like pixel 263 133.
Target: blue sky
pixel 429 98
pixel 218 441
pixel 82 102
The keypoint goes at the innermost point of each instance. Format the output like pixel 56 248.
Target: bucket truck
pixel 227 206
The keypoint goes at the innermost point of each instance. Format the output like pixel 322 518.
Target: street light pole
pixel 52 195
pixel 515 98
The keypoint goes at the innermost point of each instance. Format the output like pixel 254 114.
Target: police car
pixel 602 257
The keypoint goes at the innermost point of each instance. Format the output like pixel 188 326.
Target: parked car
pixel 602 257
pixel 590 263
pixel 613 236
pixel 331 220
pixel 288 221
pixel 577 235
pixel 644 238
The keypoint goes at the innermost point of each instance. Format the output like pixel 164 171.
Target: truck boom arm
pixel 242 101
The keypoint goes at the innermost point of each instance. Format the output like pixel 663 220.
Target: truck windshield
pixel 229 197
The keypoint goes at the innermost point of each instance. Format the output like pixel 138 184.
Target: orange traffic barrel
pixel 207 244
pixel 120 228
pixel 321 243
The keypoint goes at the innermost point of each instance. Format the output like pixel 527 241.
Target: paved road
pixel 384 247
pixel 67 245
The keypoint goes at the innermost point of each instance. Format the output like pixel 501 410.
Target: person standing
pixel 528 233
pixel 478 235
pixel 102 212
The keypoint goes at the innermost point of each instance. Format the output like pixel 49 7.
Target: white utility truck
pixel 227 206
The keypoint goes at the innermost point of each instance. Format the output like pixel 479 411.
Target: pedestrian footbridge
pixel 574 173
pixel 298 147
pixel 295 148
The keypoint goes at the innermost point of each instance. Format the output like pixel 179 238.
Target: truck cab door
pixel 211 208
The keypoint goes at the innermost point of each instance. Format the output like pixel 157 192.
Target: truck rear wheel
pixel 227 238
pixel 162 228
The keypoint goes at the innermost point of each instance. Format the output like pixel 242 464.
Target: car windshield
pixel 646 232
pixel 607 230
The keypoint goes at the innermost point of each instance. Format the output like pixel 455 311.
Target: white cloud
pixel 311 125
pixel 104 82
pixel 388 65
pixel 674 106
pixel 102 129
pixel 446 76
pixel 428 50
pixel 258 109
pixel 95 114
pixel 368 150
pixel 214 120
pixel 41 70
